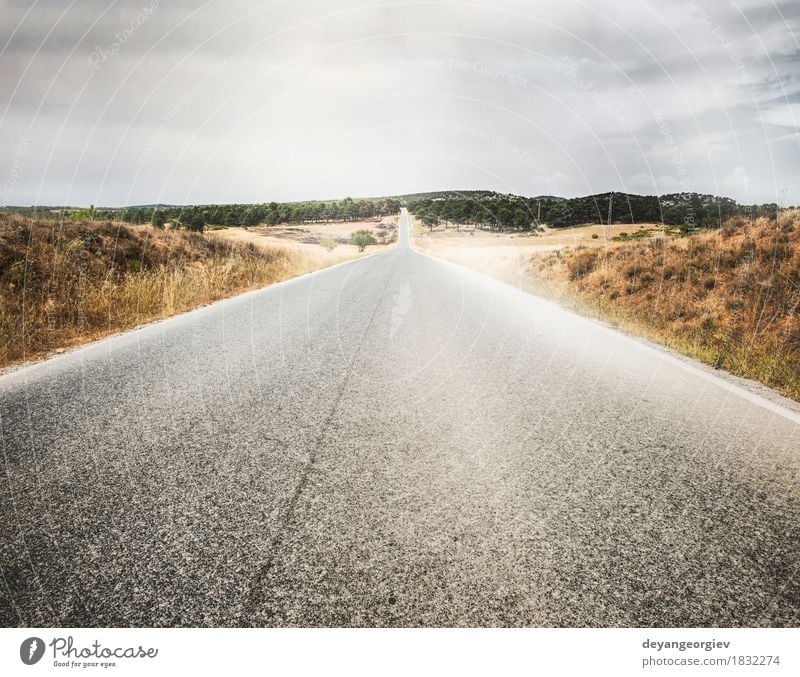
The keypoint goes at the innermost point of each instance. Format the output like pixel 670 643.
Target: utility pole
pixel 539 211
pixel 610 203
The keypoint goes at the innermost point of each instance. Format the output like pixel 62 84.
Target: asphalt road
pixel 393 441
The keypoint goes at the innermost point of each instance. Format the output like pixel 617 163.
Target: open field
pixel 384 230
pixel 729 297
pixel 304 239
pixel 66 283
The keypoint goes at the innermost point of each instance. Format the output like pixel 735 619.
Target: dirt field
pixel 504 255
pixel 305 238
pixel 448 239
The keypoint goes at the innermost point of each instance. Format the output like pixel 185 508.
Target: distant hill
pixel 447 195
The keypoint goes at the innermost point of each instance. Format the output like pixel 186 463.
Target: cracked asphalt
pixel 396 441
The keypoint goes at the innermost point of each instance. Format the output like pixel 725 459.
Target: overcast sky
pixel 140 101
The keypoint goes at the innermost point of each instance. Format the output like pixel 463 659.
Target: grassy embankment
pixel 62 284
pixel 729 297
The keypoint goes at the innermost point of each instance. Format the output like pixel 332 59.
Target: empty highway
pixel 395 441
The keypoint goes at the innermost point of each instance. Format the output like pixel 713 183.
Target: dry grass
pixel 729 297
pixel 62 284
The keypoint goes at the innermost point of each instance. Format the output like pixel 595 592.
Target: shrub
pixel 362 238
pixel 581 265
pixel 330 245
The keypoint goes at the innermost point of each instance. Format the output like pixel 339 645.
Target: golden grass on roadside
pixel 65 283
pixel 728 297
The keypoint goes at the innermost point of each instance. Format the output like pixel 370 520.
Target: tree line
pixel 269 213
pixel 199 217
pixel 481 209
pixel 501 212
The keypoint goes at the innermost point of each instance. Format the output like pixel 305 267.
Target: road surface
pixel 396 441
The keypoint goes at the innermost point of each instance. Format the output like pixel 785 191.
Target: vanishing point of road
pixel 395 441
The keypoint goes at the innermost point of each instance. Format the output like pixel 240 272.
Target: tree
pixel 192 219
pixel 253 216
pixel 430 220
pixel 362 238
pixel 522 220
pixel 330 245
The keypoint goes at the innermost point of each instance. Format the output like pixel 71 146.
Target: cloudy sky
pixel 141 101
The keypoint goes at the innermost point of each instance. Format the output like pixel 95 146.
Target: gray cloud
pixel 138 101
